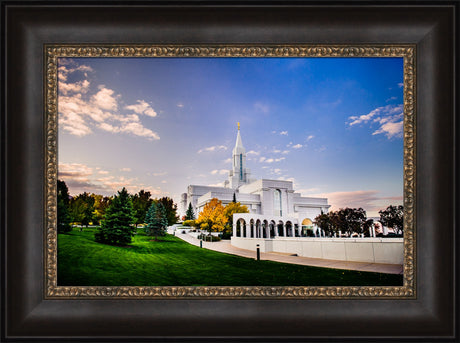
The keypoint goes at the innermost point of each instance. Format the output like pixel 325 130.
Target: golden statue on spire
pixel 238 126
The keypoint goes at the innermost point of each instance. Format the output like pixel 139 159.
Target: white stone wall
pixel 372 250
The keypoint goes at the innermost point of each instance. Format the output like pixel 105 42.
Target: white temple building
pixel 268 201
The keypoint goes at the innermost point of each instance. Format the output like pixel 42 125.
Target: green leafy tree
pixel 63 212
pixel 141 204
pixel 323 221
pixel 393 217
pixel 156 220
pixel 82 208
pixel 348 220
pixel 190 214
pixel 170 209
pixel 101 203
pixel 116 228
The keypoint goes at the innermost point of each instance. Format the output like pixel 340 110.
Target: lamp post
pixel 258 252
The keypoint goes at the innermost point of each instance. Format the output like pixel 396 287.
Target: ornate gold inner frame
pixel 54 52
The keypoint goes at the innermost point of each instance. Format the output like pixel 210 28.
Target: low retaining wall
pixel 373 250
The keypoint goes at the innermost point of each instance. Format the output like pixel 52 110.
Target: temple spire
pixel 238 126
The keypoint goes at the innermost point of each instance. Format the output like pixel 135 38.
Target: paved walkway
pixel 225 247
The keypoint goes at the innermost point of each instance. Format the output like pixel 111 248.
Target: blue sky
pixel 331 125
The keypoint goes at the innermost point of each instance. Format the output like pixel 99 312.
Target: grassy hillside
pixel 172 262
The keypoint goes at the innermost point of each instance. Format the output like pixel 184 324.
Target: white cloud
pixel 212 148
pixel 390 118
pixel 74 124
pixel 219 171
pixel 80 112
pixel 180 105
pixel 80 86
pixel 228 160
pixel 252 152
pixel 103 172
pixel 160 174
pixel 310 137
pixel 297 146
pixel 271 160
pixel 142 107
pixel 391 99
pixel 138 129
pixel 401 84
pixel 125 169
pixel 284 133
pixel 391 129
pixel 105 99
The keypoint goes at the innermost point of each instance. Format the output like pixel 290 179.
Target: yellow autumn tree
pixel 230 209
pixel 212 218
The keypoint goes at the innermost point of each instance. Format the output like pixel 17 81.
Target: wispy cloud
pixel 310 137
pixel 219 172
pixel 401 84
pixel 252 152
pixel 283 133
pixel 271 160
pixel 213 148
pixel 125 169
pixel 81 178
pixel 390 118
pixel 262 108
pixel 366 199
pixel 160 173
pixel 297 146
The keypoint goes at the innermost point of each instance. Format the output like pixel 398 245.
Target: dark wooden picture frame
pixel 27 28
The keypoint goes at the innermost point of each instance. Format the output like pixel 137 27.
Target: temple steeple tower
pixel 239 175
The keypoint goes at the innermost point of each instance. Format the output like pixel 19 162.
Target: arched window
pixel 277 203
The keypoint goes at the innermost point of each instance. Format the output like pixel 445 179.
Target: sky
pixel 333 126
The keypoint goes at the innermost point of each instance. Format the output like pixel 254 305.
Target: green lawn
pixel 172 262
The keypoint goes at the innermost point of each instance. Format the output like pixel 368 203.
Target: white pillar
pixel 234 230
pixel 284 230
pixel 370 232
pixel 340 233
pixel 373 231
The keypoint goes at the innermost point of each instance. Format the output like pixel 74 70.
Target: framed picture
pixel 105 70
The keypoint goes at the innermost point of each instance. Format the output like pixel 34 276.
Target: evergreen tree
pixel 63 213
pixel 156 220
pixel 190 214
pixel 234 197
pixel 170 209
pixel 116 228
